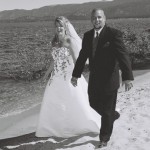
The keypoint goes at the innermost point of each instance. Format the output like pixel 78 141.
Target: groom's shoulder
pixel 114 31
pixel 88 32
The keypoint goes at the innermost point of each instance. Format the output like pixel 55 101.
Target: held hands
pixel 128 85
pixel 74 81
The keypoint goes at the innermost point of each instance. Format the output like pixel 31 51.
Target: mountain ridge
pixel 113 9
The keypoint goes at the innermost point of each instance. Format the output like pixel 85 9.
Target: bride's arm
pixel 73 54
pixel 49 70
pixel 74 50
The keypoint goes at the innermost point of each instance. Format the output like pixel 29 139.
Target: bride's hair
pixel 71 34
pixel 62 21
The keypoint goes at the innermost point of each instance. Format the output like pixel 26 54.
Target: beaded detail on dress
pixel 62 62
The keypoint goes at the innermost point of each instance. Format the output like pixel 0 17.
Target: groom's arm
pixel 80 63
pixel 122 56
pixel 123 59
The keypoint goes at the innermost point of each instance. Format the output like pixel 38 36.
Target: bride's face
pixel 60 30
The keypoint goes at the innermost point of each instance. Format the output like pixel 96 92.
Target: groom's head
pixel 98 18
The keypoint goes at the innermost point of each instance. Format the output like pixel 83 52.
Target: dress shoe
pixel 101 145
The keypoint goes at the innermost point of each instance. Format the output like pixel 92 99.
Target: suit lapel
pixel 91 36
pixel 102 37
pixel 101 40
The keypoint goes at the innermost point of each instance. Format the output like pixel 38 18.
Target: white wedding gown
pixel 65 110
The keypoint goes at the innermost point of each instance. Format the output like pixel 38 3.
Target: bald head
pixel 98 18
pixel 95 10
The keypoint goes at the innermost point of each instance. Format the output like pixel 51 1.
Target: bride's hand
pixel 45 76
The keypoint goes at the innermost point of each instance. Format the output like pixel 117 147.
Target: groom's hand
pixel 128 85
pixel 74 81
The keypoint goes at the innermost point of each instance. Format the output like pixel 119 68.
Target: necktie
pixel 95 41
pixel 96 35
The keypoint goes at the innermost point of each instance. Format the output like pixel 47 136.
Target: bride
pixel 65 110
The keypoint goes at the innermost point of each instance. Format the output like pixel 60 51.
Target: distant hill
pixel 113 9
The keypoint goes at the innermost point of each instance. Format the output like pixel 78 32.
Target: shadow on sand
pixel 30 142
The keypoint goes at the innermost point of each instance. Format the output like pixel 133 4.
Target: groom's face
pixel 98 19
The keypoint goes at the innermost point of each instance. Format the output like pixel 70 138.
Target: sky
pixel 31 4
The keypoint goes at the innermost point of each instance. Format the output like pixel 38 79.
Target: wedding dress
pixel 65 110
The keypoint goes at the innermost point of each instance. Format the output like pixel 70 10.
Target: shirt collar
pixel 97 31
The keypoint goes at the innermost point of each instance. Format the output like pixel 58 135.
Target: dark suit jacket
pixel 110 55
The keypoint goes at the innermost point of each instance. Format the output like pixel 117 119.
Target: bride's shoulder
pixel 68 39
pixel 67 42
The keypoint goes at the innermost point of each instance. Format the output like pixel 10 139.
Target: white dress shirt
pixel 97 31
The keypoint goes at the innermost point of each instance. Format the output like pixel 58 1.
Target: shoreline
pixel 124 124
pixel 138 75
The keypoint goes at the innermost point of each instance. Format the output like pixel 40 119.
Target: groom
pixel 104 48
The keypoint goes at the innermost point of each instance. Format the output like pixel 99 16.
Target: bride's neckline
pixel 65 41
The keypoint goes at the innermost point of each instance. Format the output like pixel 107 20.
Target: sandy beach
pixel 131 130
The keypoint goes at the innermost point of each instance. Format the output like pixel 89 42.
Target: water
pixel 18 96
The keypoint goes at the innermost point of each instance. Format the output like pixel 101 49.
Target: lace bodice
pixel 63 63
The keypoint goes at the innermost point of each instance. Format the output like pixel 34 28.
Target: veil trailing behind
pixel 65 109
pixel 75 38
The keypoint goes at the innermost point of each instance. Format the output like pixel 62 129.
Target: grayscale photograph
pixel 74 74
